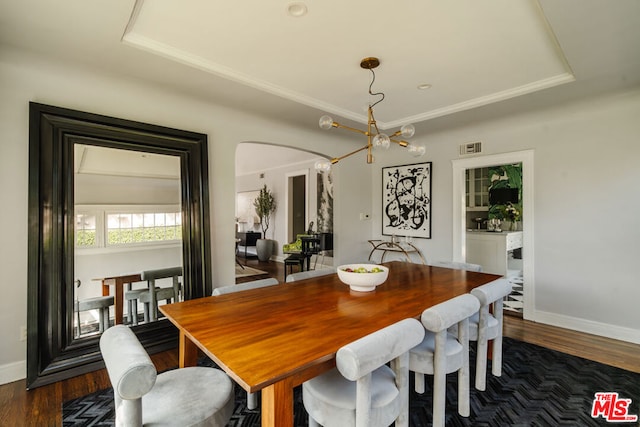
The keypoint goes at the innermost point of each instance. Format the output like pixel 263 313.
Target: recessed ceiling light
pixel 297 9
pixel 424 86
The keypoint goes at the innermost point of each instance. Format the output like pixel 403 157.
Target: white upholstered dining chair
pixel 487 325
pixel 194 396
pixel 255 284
pixel 252 398
pixel 460 265
pixel 362 390
pixel 441 352
pixel 311 273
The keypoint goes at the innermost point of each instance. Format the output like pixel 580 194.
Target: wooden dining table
pixel 273 339
pixel 118 282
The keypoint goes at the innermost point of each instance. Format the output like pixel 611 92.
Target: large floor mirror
pixel 76 246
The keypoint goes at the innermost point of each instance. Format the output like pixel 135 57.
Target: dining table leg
pixel 188 351
pixel 277 404
pixel 118 305
pixel 117 297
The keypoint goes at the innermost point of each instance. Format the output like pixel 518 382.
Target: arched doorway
pixel 303 195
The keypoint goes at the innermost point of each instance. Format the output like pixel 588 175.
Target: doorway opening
pixel 297 205
pixel 460 225
pixel 303 195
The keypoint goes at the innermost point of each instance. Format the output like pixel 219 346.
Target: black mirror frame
pixel 52 352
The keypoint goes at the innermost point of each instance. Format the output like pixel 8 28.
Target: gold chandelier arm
pixel 340 126
pixel 337 159
pixel 401 143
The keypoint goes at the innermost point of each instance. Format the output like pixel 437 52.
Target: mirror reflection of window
pixel 128 221
pixel 143 228
pixel 85 230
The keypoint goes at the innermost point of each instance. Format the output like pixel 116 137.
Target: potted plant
pixel 511 213
pixel 265 205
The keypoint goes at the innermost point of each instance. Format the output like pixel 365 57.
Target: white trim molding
pixel 589 326
pixel 13 372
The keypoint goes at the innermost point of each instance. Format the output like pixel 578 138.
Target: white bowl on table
pixel 363 282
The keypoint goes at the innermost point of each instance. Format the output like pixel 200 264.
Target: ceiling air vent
pixel 470 148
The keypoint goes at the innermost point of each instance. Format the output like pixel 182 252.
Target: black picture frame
pixel 406 200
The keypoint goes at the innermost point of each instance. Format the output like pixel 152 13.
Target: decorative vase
pixel 264 249
pixel 514 226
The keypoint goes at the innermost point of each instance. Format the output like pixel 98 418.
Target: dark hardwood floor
pixel 43 406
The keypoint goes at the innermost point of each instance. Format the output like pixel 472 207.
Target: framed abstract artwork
pixel 406 200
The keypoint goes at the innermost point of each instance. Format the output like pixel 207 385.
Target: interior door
pixel 298 212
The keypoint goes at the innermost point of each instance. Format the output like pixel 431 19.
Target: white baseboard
pixel 588 326
pixel 13 372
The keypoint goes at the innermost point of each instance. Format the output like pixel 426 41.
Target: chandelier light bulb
pixel 416 150
pixel 325 122
pixel 408 131
pixel 381 140
pixel 323 165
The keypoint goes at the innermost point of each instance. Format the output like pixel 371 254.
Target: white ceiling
pixel 472 53
pixel 482 58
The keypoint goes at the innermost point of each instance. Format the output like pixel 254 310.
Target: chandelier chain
pixel 373 79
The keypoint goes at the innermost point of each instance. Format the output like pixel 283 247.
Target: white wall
pixel 586 189
pixel 586 202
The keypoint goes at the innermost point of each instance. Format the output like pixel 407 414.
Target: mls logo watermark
pixel 612 408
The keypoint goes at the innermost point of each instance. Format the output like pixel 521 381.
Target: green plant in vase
pixel 265 206
pixel 511 213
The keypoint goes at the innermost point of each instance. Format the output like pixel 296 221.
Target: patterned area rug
pixel 249 272
pixel 538 387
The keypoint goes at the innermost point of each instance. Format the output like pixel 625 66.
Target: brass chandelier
pixel 375 138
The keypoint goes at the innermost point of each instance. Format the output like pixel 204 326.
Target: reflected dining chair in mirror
pixel 100 303
pixel 150 299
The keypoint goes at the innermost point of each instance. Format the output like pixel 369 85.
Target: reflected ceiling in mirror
pixel 96 160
